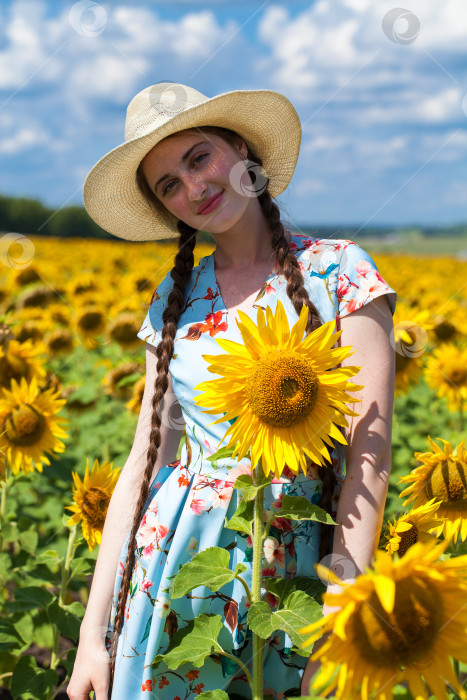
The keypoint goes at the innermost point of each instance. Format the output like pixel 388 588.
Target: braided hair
pixel 287 265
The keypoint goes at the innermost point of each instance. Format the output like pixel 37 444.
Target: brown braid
pixel 180 273
pixel 287 264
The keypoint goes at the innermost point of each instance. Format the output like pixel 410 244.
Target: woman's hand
pixel 92 668
pixel 312 667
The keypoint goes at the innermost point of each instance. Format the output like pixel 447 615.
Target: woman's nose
pixel 195 189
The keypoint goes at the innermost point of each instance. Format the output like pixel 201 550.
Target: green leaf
pixel 281 588
pixel 30 678
pixel 83 566
pixel 24 625
pixel 5 566
pixel 300 508
pixel 29 540
pixel 301 610
pixel 31 597
pixel 208 568
pixel 43 630
pixel 223 453
pixel 213 695
pixel 242 519
pixel 67 618
pixel 10 638
pixel 50 555
pixel 193 643
pixel 68 660
pixel 247 487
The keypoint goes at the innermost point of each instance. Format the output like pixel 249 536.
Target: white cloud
pixel 339 51
pixel 309 185
pixel 109 76
pixel 24 138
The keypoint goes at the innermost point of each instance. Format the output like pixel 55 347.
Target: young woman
pixel 189 164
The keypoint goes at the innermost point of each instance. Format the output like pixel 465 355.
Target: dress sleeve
pixel 152 326
pixel 359 281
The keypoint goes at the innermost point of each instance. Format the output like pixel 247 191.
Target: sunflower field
pixel 72 376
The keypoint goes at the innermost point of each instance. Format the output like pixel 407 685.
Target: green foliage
pixel 242 519
pixel 66 617
pixel 300 508
pixel 208 568
pixel 296 611
pixel 31 681
pixel 247 487
pixel 281 588
pixel 213 695
pixel 193 643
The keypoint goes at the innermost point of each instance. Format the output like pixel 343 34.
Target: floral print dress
pixel 190 498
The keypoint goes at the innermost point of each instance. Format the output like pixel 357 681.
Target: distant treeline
pixel 29 216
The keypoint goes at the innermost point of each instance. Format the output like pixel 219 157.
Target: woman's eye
pixel 166 189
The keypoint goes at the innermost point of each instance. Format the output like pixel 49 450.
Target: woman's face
pixel 187 169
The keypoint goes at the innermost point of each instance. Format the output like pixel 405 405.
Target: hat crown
pixel 158 104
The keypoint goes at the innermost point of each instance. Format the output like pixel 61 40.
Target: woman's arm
pixel 125 495
pixel 361 504
pixel 368 455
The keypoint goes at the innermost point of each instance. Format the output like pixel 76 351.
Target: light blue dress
pixel 189 502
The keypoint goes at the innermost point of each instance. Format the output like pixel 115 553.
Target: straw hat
pixel 265 119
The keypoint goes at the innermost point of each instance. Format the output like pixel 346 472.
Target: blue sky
pixel 381 94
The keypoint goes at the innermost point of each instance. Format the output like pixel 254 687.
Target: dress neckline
pixel 230 318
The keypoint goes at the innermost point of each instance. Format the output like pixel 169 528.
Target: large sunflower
pixel 20 360
pixel 402 620
pixel 91 499
pixel 411 527
pixel 443 475
pixel 446 372
pixel 280 391
pixel 28 426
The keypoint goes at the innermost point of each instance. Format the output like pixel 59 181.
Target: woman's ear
pixel 242 147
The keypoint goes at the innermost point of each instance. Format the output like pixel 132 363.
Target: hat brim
pixel 265 119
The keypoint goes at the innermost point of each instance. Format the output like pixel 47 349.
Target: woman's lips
pixel 213 204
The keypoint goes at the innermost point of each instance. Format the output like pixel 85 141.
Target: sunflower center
pixel 458 375
pixel 405 635
pixel 448 483
pixel 282 389
pixel 408 538
pixel 445 330
pixel 402 361
pixel 94 506
pixel 24 426
pixel 12 370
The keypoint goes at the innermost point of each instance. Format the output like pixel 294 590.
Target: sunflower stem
pixel 3 503
pixel 258 643
pixel 456 669
pixel 65 572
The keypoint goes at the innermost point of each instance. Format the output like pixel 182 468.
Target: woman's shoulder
pixel 332 253
pixel 304 245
